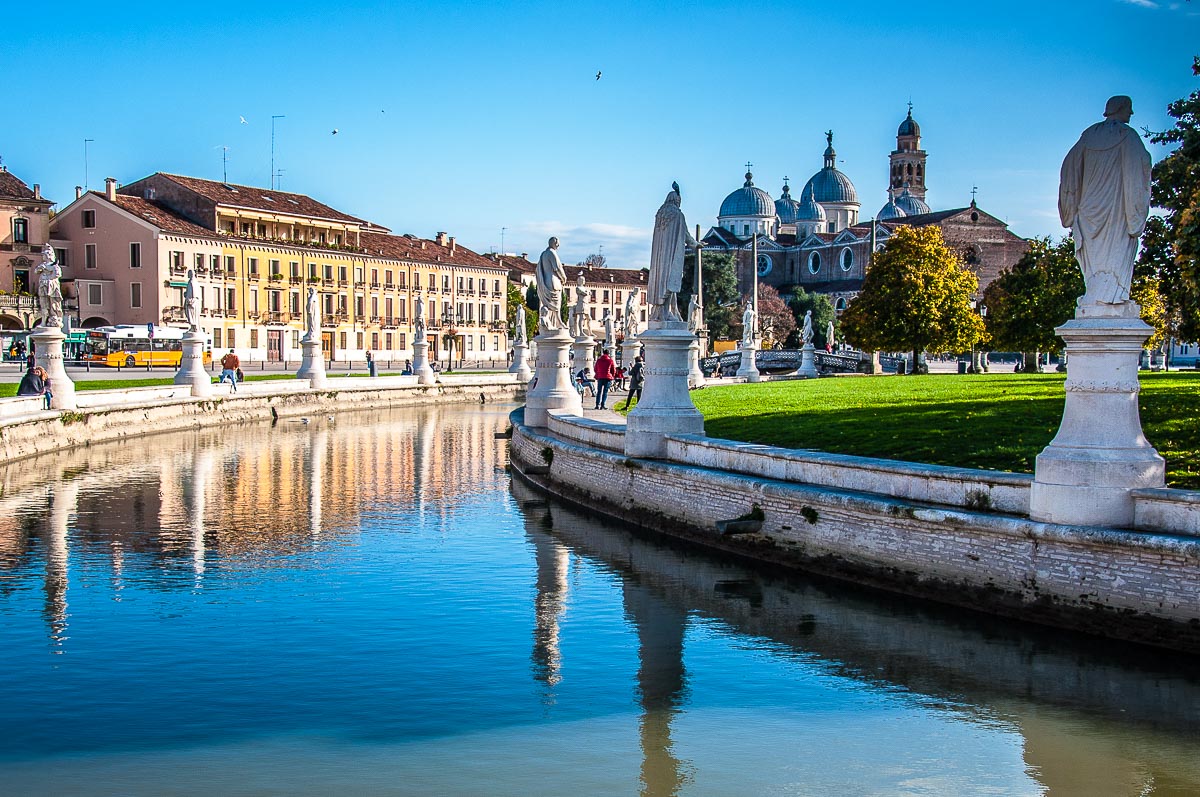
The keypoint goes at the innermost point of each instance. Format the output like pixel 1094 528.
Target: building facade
pixel 24 230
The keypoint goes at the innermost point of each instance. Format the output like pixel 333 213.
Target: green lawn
pixel 10 388
pixel 996 421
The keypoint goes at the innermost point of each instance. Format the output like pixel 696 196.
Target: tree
pixel 531 317
pixel 720 293
pixel 775 318
pixel 1032 297
pixel 802 301
pixel 594 261
pixel 1171 247
pixel 916 297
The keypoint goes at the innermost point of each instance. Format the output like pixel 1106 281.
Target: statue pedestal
pixel 420 363
pixel 191 368
pixel 312 367
pixel 520 364
pixel 695 375
pixel 1099 454
pixel 553 390
pixel 631 349
pixel 47 343
pixel 584 349
pixel 808 363
pixel 748 370
pixel 665 406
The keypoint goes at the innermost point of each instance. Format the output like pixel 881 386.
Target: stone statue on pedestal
pixel 49 290
pixel 630 321
pixel 806 332
pixel 519 331
pixel 191 302
pixel 1104 197
pixel 577 323
pixel 550 278
pixel 312 316
pixel 418 319
pixel 671 238
pixel 610 336
pixel 695 315
pixel 830 337
pixel 749 325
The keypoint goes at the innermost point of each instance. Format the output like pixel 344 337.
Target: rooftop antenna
pixel 224 165
pixel 273 118
pixel 86 141
pixel 279 179
pixel 502 230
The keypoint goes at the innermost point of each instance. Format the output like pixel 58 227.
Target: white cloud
pixel 1141 3
pixel 623 246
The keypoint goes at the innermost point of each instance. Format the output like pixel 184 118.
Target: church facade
pixel 819 242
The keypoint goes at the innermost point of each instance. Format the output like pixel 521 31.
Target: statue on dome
pixel 671 239
pixel 1104 197
pixel 550 278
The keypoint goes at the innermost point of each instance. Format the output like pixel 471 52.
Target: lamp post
pixel 449 321
pixel 978 356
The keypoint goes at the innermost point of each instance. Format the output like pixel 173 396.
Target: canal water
pixel 368 604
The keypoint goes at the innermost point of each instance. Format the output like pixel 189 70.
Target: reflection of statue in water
pixel 749 325
pixel 671 238
pixel 577 316
pixel 550 278
pixel 312 316
pixel 191 302
pixel 418 320
pixel 49 290
pixel 806 333
pixel 519 330
pixel 1104 197
pixel 630 322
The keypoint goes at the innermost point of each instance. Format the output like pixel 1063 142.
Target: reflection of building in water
pixel 1093 719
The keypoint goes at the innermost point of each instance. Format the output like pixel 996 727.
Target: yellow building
pixel 24 230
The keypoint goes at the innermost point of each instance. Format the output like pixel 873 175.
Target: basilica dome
pixel 910 204
pixel 786 207
pixel 809 209
pixel 748 201
pixel 829 184
pixel 891 210
pixel 909 126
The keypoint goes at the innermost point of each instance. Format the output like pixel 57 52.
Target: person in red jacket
pixel 605 370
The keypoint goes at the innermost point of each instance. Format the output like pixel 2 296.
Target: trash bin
pixel 901 367
pixel 962 367
pixel 371 367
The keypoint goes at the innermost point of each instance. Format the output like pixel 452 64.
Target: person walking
pixel 229 368
pixel 635 382
pixel 605 371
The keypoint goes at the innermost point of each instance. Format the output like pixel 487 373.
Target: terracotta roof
pixel 159 215
pixel 514 263
pixel 12 187
pixel 615 276
pixel 409 247
pixel 264 199
pixel 921 219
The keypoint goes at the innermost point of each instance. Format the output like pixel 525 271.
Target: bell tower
pixel 907 161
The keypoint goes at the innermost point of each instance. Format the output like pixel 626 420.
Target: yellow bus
pixel 130 345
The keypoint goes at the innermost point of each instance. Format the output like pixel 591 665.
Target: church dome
pixel 909 126
pixel 786 207
pixel 809 209
pixel 829 184
pixel 910 204
pixel 891 210
pixel 748 201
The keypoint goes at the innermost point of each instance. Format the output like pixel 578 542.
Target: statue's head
pixel 191 275
pixel 553 242
pixel 1118 108
pixel 581 281
pixel 673 197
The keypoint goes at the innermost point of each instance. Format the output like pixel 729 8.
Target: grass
pixel 996 421
pixel 10 388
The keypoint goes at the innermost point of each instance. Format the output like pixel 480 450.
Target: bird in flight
pixel 334 132
pixel 243 120
pixel 598 75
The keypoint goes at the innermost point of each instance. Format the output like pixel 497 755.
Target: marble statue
pixel 550 278
pixel 191 302
pixel 830 337
pixel 695 315
pixel 312 316
pixel 749 325
pixel 418 320
pixel 630 321
pixel 610 335
pixel 49 290
pixel 1104 197
pixel 671 237
pixel 519 331
pixel 577 323
pixel 806 333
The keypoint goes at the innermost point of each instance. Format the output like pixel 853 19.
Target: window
pixel 814 263
pixel 89 219
pixel 341 337
pixel 341 273
pixel 61 256
pixel 847 259
pixel 217 338
pixel 95 294
pixel 374 341
pixel 135 294
pixel 358 340
pixel 374 276
pixel 232 339
pixel 295 269
pixel 470 343
pixel 358 308
pixel 840 305
pixel 89 257
pixel 20 231
pixel 199 261
pixel 229 263
pixel 273 265
pixel 387 341
pixel 416 278
pixel 496 286
pixel 135 255
pixel 327 270
pixel 495 343
pixel 312 271
pixel 214 262
pixel 746 230
pixel 294 303
pixel 445 282
pixel 764 265
pixel 295 338
pixel 274 301
pixel 252 266
pixel 253 338
pixel 403 340
pixel 591 296
pixel 230 298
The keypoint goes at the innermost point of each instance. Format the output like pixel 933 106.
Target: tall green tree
pixel 801 301
pixel 1032 297
pixel 720 293
pixel 1171 247
pixel 515 299
pixel 916 297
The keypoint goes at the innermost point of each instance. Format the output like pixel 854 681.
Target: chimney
pixel 78 191
pixel 452 244
pixel 440 238
pixel 110 189
pixel 37 191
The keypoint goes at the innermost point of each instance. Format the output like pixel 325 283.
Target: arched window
pixel 764 265
pixel 847 259
pixel 910 170
pixel 840 304
pixel 814 263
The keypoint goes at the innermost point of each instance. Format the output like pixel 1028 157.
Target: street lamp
pixel 978 357
pixel 449 322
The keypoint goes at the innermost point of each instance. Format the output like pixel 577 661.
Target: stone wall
pixel 1131 585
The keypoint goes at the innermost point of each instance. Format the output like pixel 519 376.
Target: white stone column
pixel 748 370
pixel 695 374
pixel 312 367
pixel 47 342
pixel 191 368
pixel 665 406
pixel 584 349
pixel 520 364
pixel 808 362
pixel 553 390
pixel 420 363
pixel 1099 454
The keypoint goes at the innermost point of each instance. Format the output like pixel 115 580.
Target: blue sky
pixel 472 117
